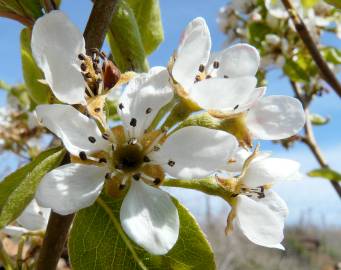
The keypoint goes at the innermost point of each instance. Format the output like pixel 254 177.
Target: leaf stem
pixel 118 227
pixel 309 137
pixel 308 41
pixel 207 185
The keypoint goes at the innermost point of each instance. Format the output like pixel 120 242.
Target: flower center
pixel 128 157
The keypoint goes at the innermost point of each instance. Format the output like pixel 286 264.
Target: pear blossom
pixel 224 84
pixel 258 212
pixel 33 218
pixel 130 155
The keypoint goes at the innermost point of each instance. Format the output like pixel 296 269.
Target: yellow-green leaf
pixel 125 40
pixel 18 189
pixel 326 173
pixel 39 92
pixel 148 17
pixel 97 241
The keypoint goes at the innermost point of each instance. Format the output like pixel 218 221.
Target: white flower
pixel 278 10
pixel 33 218
pixel 257 211
pixel 129 154
pixel 224 84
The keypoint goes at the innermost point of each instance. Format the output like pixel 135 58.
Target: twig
pixel 309 138
pixel 10 15
pixel 49 5
pixel 58 226
pixel 308 41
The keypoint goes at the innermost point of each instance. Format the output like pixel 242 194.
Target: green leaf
pixel 40 93
pixel 125 40
pixel 318 120
pixel 257 32
pixel 18 189
pixel 32 8
pixel 97 241
pixel 295 71
pixel 332 55
pixel 335 3
pixel 148 17
pixel 326 173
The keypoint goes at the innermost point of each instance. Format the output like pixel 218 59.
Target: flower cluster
pixel 134 155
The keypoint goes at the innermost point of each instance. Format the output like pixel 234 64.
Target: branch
pixel 308 41
pixel 58 226
pixel 309 138
pixel 49 5
pixel 10 15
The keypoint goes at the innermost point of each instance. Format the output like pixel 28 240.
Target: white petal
pixel 267 170
pixel 56 44
pixel 150 218
pixel 71 187
pixel 238 160
pixel 14 231
pixel 237 61
pixel 142 99
pixel 261 222
pixel 276 9
pixel 228 95
pixel 275 118
pixel 72 127
pixel 33 217
pixel 196 151
pixel 193 51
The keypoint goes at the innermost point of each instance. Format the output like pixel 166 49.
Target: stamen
pixel 137 176
pixel 171 163
pixel 157 181
pixel 81 56
pixel 197 78
pixel 133 122
pixel 82 155
pixel 201 68
pixel 225 76
pixel 120 106
pixel 215 64
pixel 102 160
pixel 149 110
pixel 121 186
pixel 156 148
pixel 92 139
pixel 97 110
pixel 105 136
pixel 208 76
pixel 83 67
pixel 146 159
pixel 108 175
pixel 132 141
pixel 236 107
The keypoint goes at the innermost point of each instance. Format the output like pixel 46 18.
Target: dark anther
pixel 98 71
pixel 157 181
pixel 234 195
pixel 201 68
pixel 146 159
pixel 261 195
pixel 262 189
pixel 215 64
pixel 105 136
pixel 97 110
pixel 137 176
pixel 113 147
pixel 156 148
pixel 92 139
pixel 108 175
pixel 132 141
pixel 102 160
pixel 149 110
pixel 122 186
pixel 87 75
pixel 95 65
pixel 225 76
pixel 236 107
pixel 197 78
pixel 208 76
pixel 171 163
pixel 103 55
pixel 82 155
pixel 81 56
pixel 83 67
pixel 120 106
pixel 133 122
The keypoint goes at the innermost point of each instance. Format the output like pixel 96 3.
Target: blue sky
pixel 310 195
